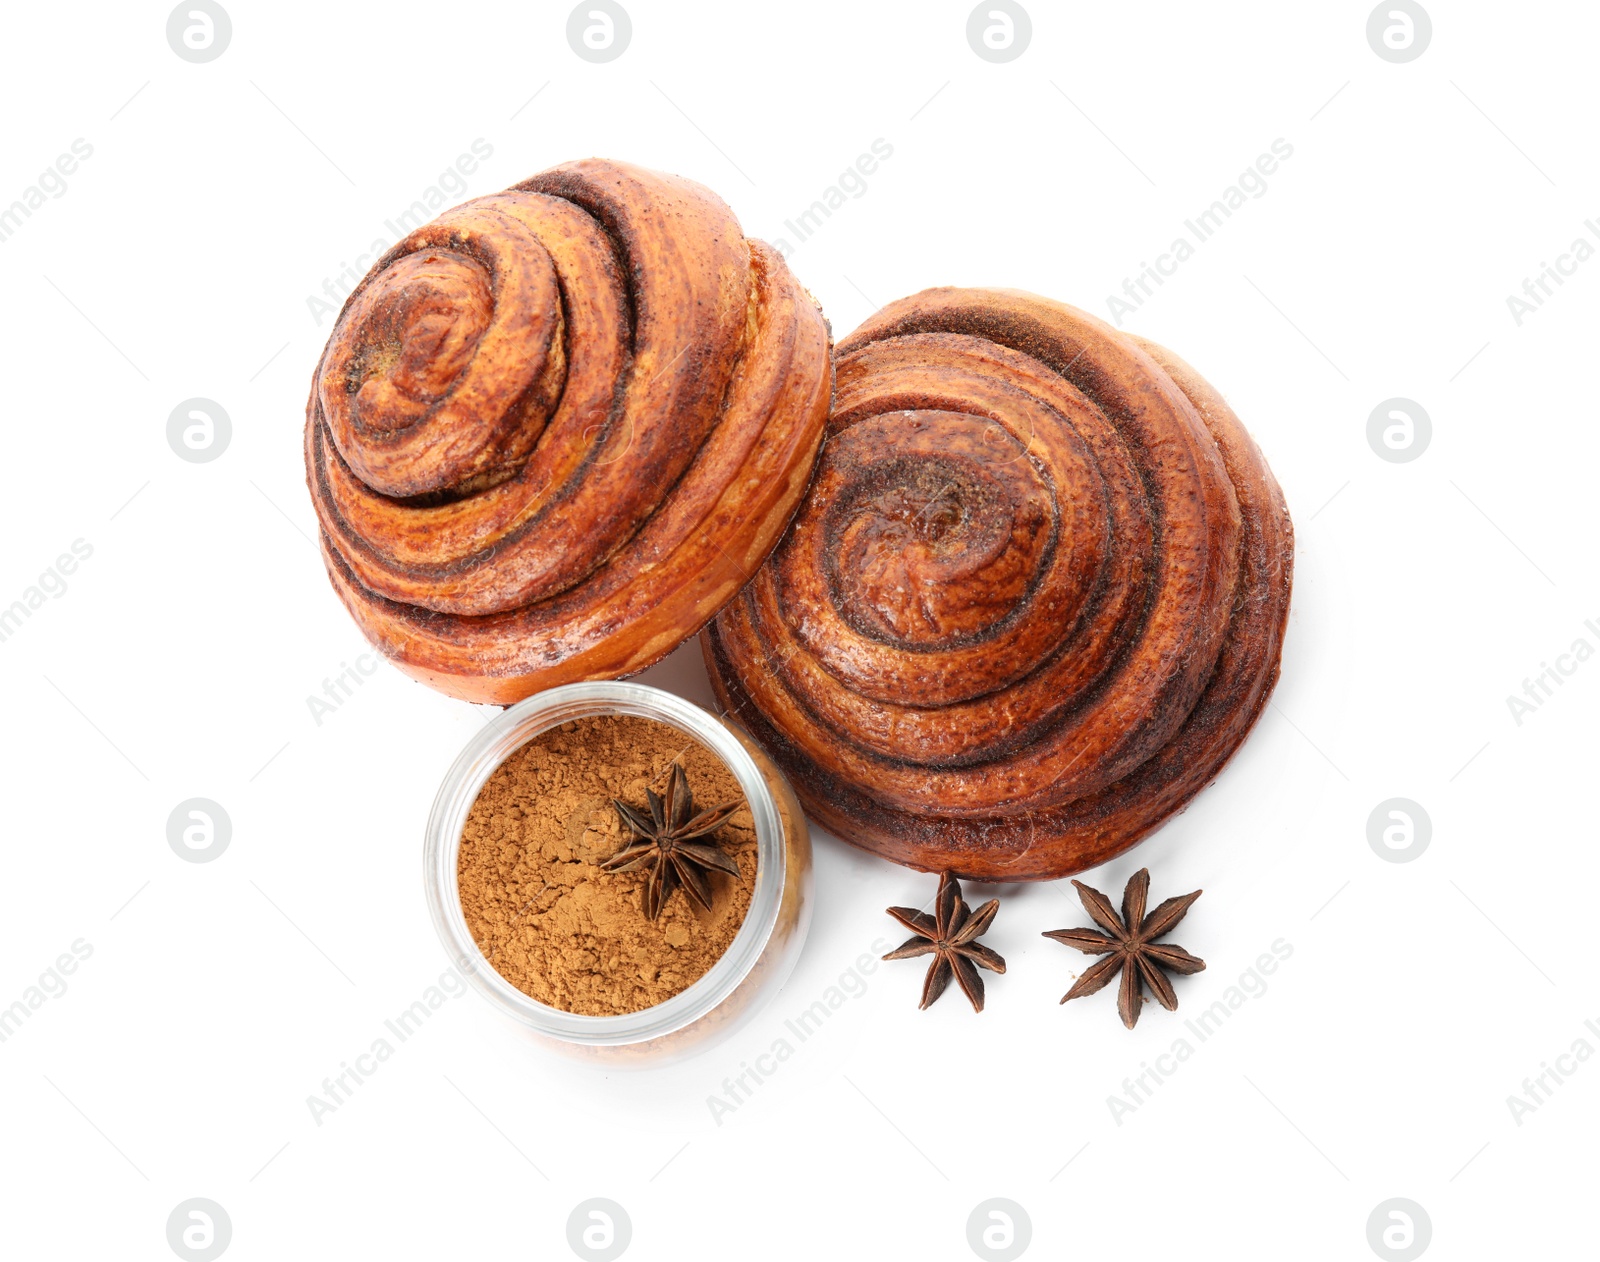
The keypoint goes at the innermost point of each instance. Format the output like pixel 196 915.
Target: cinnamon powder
pixel 536 901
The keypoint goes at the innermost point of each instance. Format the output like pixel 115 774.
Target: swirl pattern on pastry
pixel 1033 602
pixel 556 429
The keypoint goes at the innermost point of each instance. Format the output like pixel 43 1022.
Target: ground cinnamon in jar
pixel 536 901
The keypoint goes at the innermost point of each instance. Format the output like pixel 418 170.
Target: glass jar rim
pixel 515 727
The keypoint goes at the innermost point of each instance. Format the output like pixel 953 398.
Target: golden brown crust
pixel 557 428
pixel 1033 602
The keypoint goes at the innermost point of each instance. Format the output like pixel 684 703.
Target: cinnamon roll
pixel 556 429
pixel 1032 603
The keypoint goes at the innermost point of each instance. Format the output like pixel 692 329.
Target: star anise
pixel 665 841
pixel 1127 945
pixel 950 936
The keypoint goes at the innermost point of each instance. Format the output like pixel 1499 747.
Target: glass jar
pixel 754 966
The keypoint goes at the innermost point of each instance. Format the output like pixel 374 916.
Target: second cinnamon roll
pixel 1033 601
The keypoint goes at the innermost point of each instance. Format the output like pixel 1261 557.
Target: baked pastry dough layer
pixel 1033 602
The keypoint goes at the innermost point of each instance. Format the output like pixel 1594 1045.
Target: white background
pixel 178 662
